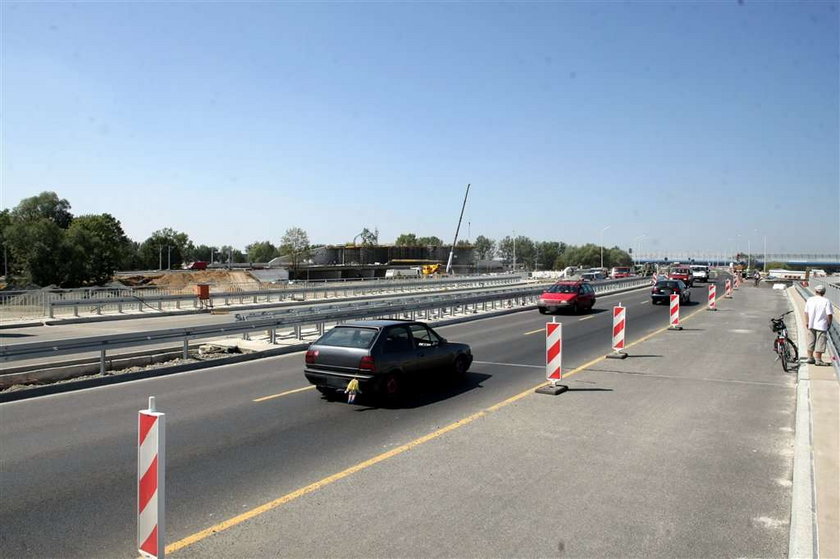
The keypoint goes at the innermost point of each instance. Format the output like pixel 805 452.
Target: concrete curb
pixel 803 541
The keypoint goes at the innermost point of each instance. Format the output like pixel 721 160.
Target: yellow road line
pixel 239 519
pixel 533 332
pixel 286 393
pixel 586 317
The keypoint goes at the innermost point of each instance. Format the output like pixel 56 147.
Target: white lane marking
pixel 509 364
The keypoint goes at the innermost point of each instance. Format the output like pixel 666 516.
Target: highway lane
pixel 68 460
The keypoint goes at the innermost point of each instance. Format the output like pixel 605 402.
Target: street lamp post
pixel 765 254
pixel 602 244
pixel 638 242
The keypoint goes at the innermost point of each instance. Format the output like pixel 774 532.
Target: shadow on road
pixel 433 390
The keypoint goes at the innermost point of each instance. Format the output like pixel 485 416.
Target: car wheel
pixel 461 365
pixel 575 309
pixel 543 310
pixel 392 386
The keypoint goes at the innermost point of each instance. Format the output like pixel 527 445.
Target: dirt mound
pixel 219 280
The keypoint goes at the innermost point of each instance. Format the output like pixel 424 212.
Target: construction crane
pixel 457 229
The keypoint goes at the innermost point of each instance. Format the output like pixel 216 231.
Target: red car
pixel 575 296
pixel 620 272
pixel 684 274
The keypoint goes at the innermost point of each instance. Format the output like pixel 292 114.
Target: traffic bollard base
pixel 617 355
pixel 711 309
pixel 552 389
pixel 672 327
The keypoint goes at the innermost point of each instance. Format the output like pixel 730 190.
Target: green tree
pixel 295 244
pixel 617 257
pixel 429 241
pixel 547 254
pixel 229 255
pixel 484 247
pixel 38 251
pixel 407 240
pixel 99 247
pixel 261 251
pixel 5 221
pixel 369 238
pixel 46 205
pixel 586 256
pixel 165 249
pixel 205 253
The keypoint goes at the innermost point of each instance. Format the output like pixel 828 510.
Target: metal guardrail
pixel 156 302
pixel 410 307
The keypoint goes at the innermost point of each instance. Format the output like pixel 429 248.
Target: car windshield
pixel 563 288
pixel 348 336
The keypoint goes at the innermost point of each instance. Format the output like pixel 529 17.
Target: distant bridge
pixel 828 262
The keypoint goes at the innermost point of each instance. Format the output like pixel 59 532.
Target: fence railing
pixel 48 303
pixel 415 307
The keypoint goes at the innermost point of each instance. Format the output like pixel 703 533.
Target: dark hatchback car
pixel 385 356
pixel 574 296
pixel 661 292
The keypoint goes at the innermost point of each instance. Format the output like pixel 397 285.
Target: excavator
pixel 430 269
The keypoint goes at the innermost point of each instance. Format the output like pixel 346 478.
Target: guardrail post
pixel 99 308
pixel 102 361
pixel 76 309
pixel 50 307
pixel 298 332
pixel 186 352
pixel 160 305
pixel 178 304
pixel 272 336
pixel 119 307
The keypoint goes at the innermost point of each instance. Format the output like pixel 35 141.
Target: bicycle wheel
pixel 789 354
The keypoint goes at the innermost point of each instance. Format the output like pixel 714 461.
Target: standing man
pixel 818 315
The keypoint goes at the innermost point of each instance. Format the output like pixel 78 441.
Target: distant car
pixel 592 276
pixel 701 273
pixel 574 296
pixel 662 291
pixel 682 273
pixel 621 272
pixel 385 356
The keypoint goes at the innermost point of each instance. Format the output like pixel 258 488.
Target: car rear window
pixel 348 336
pixel 563 288
pixel 683 271
pixel 668 284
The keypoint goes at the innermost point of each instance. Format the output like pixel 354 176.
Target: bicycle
pixel 783 345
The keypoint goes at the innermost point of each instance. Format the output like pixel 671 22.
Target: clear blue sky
pixel 702 126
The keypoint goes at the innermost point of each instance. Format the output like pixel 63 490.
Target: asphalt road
pixel 69 460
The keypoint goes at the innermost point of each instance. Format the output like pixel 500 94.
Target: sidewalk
pixel 821 391
pixel 684 449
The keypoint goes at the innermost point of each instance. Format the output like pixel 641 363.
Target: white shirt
pixel 818 309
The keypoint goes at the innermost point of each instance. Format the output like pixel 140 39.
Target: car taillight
pixel 311 356
pixel 367 363
pixel 656 290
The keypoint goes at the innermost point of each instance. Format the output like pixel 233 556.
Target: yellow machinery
pixel 430 269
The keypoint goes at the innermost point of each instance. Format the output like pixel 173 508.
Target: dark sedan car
pixel 661 292
pixel 383 356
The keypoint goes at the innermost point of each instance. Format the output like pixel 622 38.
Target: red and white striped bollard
pixel 553 359
pixel 151 461
pixel 728 292
pixel 712 298
pixel 619 325
pixel 675 312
